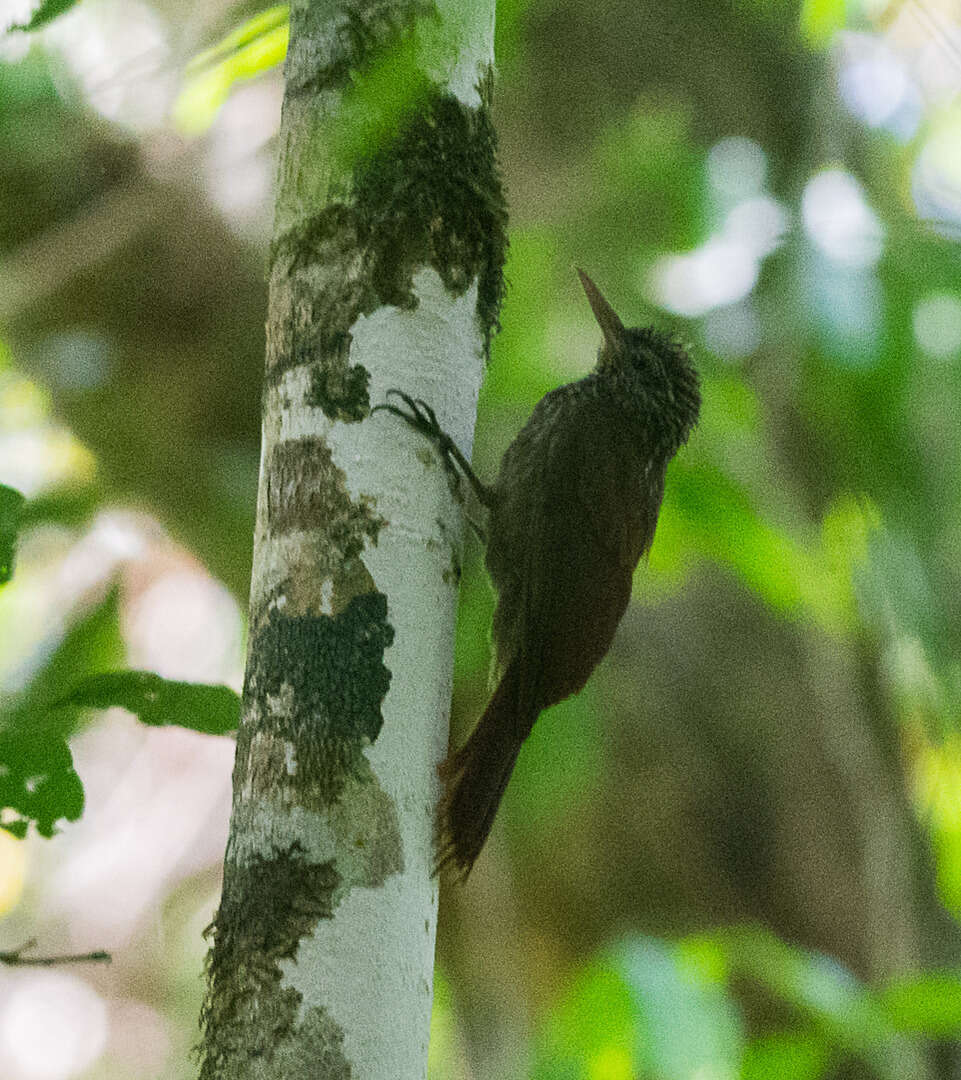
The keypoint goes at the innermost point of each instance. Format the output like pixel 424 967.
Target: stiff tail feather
pixel 476 775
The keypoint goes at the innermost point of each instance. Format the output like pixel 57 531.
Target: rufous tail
pixel 476 775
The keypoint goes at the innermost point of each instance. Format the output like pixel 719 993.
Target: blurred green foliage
pixel 650 1009
pixel 246 52
pixel 43 13
pixel 11 506
pixel 38 783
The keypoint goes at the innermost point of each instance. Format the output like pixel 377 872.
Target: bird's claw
pixel 422 418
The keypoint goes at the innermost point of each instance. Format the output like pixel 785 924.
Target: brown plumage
pixel 572 511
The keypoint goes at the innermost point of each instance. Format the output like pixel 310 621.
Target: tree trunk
pixel 385 272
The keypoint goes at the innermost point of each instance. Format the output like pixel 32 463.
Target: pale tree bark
pixel 386 272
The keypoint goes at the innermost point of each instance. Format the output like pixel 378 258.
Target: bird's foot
pixel 422 418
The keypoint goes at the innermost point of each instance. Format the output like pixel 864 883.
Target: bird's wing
pixel 615 483
pixel 597 517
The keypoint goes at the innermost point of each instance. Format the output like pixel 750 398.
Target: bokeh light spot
pixel 759 223
pixel 53 1026
pixel 839 221
pixel 187 626
pixel 719 272
pixel 139 1042
pixel 875 85
pixel 937 325
pixel 736 167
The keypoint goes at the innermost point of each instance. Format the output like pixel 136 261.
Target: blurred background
pixel 737 854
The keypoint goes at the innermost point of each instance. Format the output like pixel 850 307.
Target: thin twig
pixel 16 958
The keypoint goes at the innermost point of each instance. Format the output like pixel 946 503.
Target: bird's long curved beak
pixel 611 326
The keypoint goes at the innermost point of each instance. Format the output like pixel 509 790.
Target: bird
pixel 573 509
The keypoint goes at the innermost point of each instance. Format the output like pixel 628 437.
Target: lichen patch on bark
pixel 268 905
pixel 313 695
pixel 307 491
pixel 361 830
pixel 311 1049
pixel 328 48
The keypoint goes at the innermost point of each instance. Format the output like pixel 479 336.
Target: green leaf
pixel 61 506
pixel 38 783
pixel 214 710
pixel 91 644
pixel 37 778
pixel 821 20
pixel 928 1005
pixel 11 504
pixel 46 12
pixel 255 27
pixel 253 48
pixel 378 100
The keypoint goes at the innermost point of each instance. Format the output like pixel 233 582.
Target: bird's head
pixel 652 362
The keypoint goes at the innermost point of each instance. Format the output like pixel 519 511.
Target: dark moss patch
pixel 314 684
pixel 333 667
pixel 339 389
pixel 267 907
pixel 332 235
pixel 432 195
